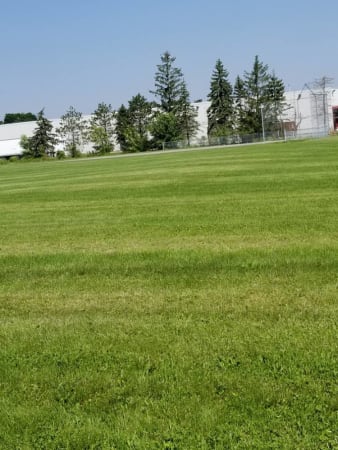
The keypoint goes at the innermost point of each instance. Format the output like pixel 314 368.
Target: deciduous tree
pixel 19 117
pixel 165 128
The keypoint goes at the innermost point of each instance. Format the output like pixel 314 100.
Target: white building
pixel 10 135
pixel 311 112
pixel 307 113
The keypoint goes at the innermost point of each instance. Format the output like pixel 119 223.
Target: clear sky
pixel 57 53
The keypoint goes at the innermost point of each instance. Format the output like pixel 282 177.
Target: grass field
pixel 175 301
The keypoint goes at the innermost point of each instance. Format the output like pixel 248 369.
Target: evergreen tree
pixel 42 142
pixel 263 99
pixel 275 104
pixel 187 115
pixel 100 139
pixel 102 129
pixel 256 96
pixel 179 117
pixel 220 112
pixel 132 124
pixel 259 97
pixel 103 117
pixel 122 124
pixel 139 117
pixel 72 131
pixel 168 84
pixel 239 105
pixel 140 113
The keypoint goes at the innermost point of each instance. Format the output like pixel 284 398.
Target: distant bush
pixel 3 162
pixel 13 159
pixel 60 154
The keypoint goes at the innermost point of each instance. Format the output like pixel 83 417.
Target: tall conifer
pixel 168 84
pixel 43 141
pixel 220 111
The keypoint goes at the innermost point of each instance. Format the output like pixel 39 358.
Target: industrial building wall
pixel 10 135
pixel 311 111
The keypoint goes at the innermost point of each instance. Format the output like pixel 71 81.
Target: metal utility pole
pixel 263 129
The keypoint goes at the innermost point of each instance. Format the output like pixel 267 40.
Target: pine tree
pixel 140 113
pixel 122 124
pixel 179 117
pixel 220 112
pixel 100 139
pixel 103 117
pixel 132 124
pixel 256 96
pixel 239 105
pixel 275 104
pixel 72 131
pixel 168 84
pixel 102 129
pixel 139 118
pixel 43 141
pixel 187 115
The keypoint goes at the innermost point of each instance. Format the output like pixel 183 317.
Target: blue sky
pixel 60 53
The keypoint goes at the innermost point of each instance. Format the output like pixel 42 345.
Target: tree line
pixel 18 117
pixel 256 100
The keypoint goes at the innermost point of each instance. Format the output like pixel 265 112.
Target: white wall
pixel 202 118
pixel 10 135
pixel 311 110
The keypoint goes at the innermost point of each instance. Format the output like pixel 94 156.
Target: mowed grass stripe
pixel 183 300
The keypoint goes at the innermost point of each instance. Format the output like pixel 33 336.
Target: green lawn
pixel 174 301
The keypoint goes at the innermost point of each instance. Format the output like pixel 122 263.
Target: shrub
pixel 60 154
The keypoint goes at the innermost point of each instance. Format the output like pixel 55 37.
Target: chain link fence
pixel 240 139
